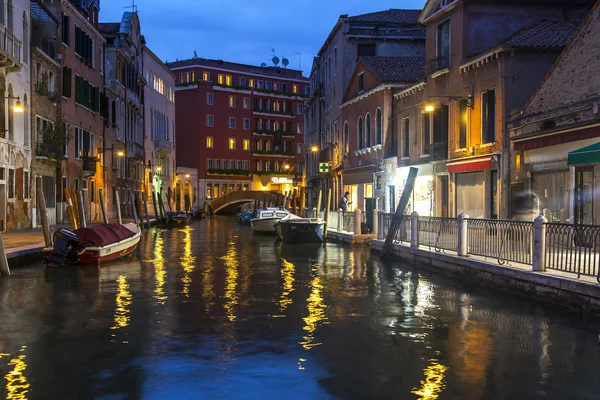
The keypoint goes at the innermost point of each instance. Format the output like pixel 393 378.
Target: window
pixel 368 131
pixel 231 122
pixel 247 124
pixel 360 139
pixel 66 29
pixel 225 164
pixel 251 83
pixel 65 141
pixel 259 145
pixel 299 109
pixel 346 142
pixel 228 80
pixel 210 120
pixel 299 148
pixel 25 38
pixel 367 50
pixel 218 164
pixel 276 86
pixel 268 145
pixel 247 144
pixel 221 79
pixel 50 82
pixel 405 137
pixel 209 142
pixel 269 85
pixel 11 183
pixel 231 144
pixel 488 116
pixel 210 99
pixel 25 185
pixel 84 46
pixel 300 128
pixel 426 127
pixel 247 165
pixel 64 186
pixel 361 82
pixel 335 61
pixel 260 84
pixel 463 121
pixel 443 45
pixel 209 163
pixel 232 101
pixel 84 143
pixel 284 87
pixel 67 82
pixel 378 127
pixel 246 102
pixel 242 81
pixel 206 76
pixel 307 90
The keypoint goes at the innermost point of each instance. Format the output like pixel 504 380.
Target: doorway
pixel 392 197
pixel 584 196
pixel 444 183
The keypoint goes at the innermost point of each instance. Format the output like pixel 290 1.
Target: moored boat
pixel 175 219
pixel 94 245
pixel 245 216
pixel 266 218
pixel 293 229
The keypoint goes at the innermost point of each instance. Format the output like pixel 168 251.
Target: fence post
pixel 539 244
pixel 463 239
pixel 376 223
pixel 414 229
pixel 380 227
pixel 357 221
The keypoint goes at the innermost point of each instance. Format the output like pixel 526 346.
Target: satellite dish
pixel 263 65
pixel 285 62
pixel 275 60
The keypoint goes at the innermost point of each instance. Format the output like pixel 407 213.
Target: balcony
pixel 263 132
pixel 135 150
pixel 162 146
pixel 45 45
pixel 437 151
pixel 89 166
pixel 438 65
pixel 51 151
pixel 273 153
pixel 10 50
pixel 262 111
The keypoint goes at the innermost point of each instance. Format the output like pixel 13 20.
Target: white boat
pixel 266 218
pixel 294 229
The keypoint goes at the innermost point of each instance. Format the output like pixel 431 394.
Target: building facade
pixel 159 123
pixel 243 126
pixel 392 32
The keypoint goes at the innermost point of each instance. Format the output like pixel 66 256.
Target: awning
pixel 468 165
pixel 585 155
pixel 358 176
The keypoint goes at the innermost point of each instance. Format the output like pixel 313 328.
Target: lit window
pixel 276 86
pixel 228 80
pixel 232 101
pixel 518 162
pixel 209 142
pixel 299 148
pixel 251 83
pixel 246 102
pixel 210 100
pixel 246 144
pixel 221 79
pixel 210 120
pixel 206 76
pixel 231 144
pixel 295 88
pixel 231 122
pixel 300 128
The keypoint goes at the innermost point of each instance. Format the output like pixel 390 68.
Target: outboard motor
pixel 66 245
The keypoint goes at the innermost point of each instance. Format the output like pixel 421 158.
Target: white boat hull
pixel 264 224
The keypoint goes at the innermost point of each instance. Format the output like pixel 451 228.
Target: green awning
pixel 585 155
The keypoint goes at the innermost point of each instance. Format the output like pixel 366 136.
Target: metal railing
pixel 440 233
pixel 403 234
pixel 573 248
pixel 500 239
pixel 438 64
pixel 10 45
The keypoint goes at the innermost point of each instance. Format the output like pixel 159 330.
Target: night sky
pixel 242 31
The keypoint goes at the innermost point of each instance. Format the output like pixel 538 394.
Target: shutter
pixel 64 81
pixel 114 112
pixel 69 82
pixel 96 99
pixel 77 155
pixel 77 89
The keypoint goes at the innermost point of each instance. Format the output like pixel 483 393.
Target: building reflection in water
pixel 160 272
pixel 123 301
pixel 17 386
pixel 287 276
pixel 433 384
pixel 188 261
pixel 231 279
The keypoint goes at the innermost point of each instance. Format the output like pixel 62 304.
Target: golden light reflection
pixel 123 301
pixel 208 289
pixel 433 384
pixel 188 261
pixel 316 313
pixel 16 381
pixel 231 277
pixel 287 275
pixel 160 272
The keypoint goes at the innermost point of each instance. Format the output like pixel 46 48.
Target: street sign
pixel 323 167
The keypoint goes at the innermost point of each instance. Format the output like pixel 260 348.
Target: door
pixel 584 196
pixel 392 197
pixel 444 183
pixel 494 194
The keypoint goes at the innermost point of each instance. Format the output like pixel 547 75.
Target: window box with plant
pixel 287 113
pixel 272 133
pixel 274 153
pixel 237 172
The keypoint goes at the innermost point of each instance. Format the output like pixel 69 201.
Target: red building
pixel 240 125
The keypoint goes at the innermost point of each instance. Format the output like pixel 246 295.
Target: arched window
pixel 25 121
pixel 25 38
pixel 9 16
pixel 361 139
pixel 11 114
pixel 368 130
pixel 346 137
pixel 378 127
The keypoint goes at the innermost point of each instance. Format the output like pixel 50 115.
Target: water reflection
pixel 123 301
pixel 160 272
pixel 287 276
pixel 231 277
pixel 433 384
pixel 17 385
pixel 188 261
pixel 316 312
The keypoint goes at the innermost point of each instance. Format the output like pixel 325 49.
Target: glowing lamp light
pixel 187 175
pixel 18 108
pixel 314 149
pixel 120 154
pixel 264 188
pixel 286 166
pixel 158 169
pixel 429 108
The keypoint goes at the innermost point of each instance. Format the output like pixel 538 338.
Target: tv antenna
pixel 133 6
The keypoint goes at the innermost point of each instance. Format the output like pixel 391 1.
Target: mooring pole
pixel 4 269
pixel 146 209
pixel 156 213
pixel 327 207
pixel 134 207
pixel 70 209
pixel 118 199
pixel 44 218
pixel 81 207
pixel 319 204
pixel 103 205
pixel 76 207
pixel 399 215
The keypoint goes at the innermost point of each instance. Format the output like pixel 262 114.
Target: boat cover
pixel 103 235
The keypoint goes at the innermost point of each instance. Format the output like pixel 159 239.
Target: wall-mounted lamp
pixel 18 108
pixel 466 101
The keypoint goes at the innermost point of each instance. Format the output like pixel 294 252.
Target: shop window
pixel 406 137
pixel 488 116
pixel 551 192
pixel 469 194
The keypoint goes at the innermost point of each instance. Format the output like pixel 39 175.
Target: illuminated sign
pixel 279 180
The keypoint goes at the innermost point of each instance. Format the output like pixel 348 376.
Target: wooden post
pixel 81 207
pixel 399 215
pixel 133 206
pixel 118 200
pixel 295 199
pixel 302 198
pixel 319 203
pixel 156 213
pixel 70 209
pixel 75 207
pixel 4 269
pixel 44 217
pixel 327 207
pixel 146 210
pixel 103 205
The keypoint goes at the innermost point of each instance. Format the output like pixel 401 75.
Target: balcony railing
pixel 50 150
pixel 162 144
pixel 41 88
pixel 437 151
pixel 10 47
pixel 89 165
pixel 437 64
pixel 45 45
pixel 263 110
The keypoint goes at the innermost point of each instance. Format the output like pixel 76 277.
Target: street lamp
pixel 18 108
pixel 467 101
pixel 187 176
pixel 314 148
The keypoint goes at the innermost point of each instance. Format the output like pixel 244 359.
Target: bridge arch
pixel 226 205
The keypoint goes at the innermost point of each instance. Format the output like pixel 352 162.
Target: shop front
pixel 280 184
pixel 423 196
pixel 359 183
pixel 476 186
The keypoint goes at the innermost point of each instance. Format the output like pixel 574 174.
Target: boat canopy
pixel 103 235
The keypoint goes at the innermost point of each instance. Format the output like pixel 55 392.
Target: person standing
pixel 344 202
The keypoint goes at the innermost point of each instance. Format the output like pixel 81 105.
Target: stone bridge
pixel 227 204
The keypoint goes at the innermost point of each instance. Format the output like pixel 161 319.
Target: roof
pixel 555 33
pixel 414 33
pixel 396 69
pixel 391 16
pixel 109 28
pixel 244 68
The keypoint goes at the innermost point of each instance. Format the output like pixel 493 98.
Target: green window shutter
pixel 77 89
pixel 69 82
pixel 64 81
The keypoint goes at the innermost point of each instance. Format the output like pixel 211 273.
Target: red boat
pixel 94 245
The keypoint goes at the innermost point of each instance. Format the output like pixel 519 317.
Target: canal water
pixel 212 311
